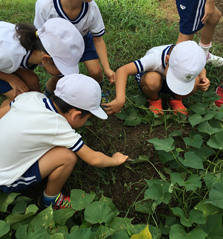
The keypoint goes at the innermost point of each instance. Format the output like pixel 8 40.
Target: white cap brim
pixel 100 113
pixel 178 87
pixel 66 70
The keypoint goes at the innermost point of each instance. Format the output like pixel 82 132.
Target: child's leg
pixel 57 164
pixel 182 37
pixel 30 78
pixel 94 69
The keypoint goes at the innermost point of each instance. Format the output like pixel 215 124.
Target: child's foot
pixel 177 106
pixel 216 61
pixel 60 202
pixel 156 106
pixel 219 92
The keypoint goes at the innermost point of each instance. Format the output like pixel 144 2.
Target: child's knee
pixel 95 72
pixel 70 158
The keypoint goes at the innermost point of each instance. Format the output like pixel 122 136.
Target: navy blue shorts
pixel 89 50
pixel 27 180
pixel 164 89
pixel 4 87
pixel 191 12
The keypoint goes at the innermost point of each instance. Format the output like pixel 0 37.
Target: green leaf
pixel 4 228
pixel 195 119
pixel 177 232
pixel 120 235
pixel 6 199
pixel 196 141
pixel 22 231
pixel 15 218
pixel 141 159
pixel 98 212
pixel 199 108
pixel 207 209
pixel 191 160
pixel 193 182
pixel 159 192
pixel 108 202
pixel 216 195
pixel 133 119
pixel 37 232
pixel 145 207
pixel 120 223
pixel 44 218
pixel 205 127
pixel 210 179
pixel 167 156
pixel 204 152
pixel 216 141
pixel 140 99
pixel 177 178
pixel 57 236
pixel 80 200
pixel 60 216
pixel 84 233
pixel 163 144
pixel 183 220
pixel 122 115
pixel 103 232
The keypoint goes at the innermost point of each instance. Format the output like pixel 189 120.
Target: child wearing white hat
pixel 86 16
pixel 177 70
pixel 22 48
pixel 38 137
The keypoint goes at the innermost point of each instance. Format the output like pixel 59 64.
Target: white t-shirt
pixel 11 51
pixel 30 129
pixel 89 19
pixel 154 60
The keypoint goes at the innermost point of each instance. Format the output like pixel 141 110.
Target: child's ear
pixel 74 114
pixel 45 58
pixel 167 58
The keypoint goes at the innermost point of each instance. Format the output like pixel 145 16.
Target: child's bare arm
pixel 4 110
pixel 100 160
pixel 120 84
pixel 15 82
pixel 103 56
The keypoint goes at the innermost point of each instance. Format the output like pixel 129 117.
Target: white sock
pixel 205 48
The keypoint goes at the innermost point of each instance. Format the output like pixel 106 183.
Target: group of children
pixel 41 127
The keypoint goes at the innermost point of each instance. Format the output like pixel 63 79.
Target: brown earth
pixel 125 184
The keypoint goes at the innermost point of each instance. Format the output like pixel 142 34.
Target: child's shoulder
pixel 44 3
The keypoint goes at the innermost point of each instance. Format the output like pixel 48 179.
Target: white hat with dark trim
pixel 186 62
pixel 64 44
pixel 81 91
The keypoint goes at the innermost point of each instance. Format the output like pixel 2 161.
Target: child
pixel 54 46
pixel 196 15
pixel 86 16
pixel 176 70
pixel 38 137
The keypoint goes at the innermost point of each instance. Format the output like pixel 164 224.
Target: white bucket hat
pixel 64 43
pixel 81 91
pixel 186 62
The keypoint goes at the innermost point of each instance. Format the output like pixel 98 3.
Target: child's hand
pixel 113 107
pixel 120 158
pixel 204 84
pixel 18 85
pixel 110 75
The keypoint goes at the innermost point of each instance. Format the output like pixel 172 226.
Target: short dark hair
pixel 65 107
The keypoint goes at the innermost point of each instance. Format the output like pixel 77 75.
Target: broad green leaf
pixel 196 216
pixel 22 231
pixel 216 141
pixel 163 144
pixel 193 182
pixel 44 218
pixel 57 236
pixel 137 228
pixel 120 223
pixel 204 152
pixel 156 232
pixel 159 193
pixel 196 141
pixel 177 178
pixel 84 233
pixel 218 115
pixel 122 115
pixel 167 156
pixel 6 199
pixel 210 179
pixel 176 133
pixel 145 207
pixel 195 119
pixel 140 99
pixel 183 220
pixel 141 159
pixel 98 212
pixel 133 119
pixel 4 228
pixel 20 207
pixel 207 209
pixel 199 108
pixel 60 216
pixel 177 232
pixel 205 127
pixel 120 235
pixel 192 161
pixel 14 218
pixel 216 195
pixel 37 232
pixel 144 234
pixel 103 232
pixel 108 202
pixel 80 200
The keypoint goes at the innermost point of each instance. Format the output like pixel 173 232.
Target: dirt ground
pixel 125 184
